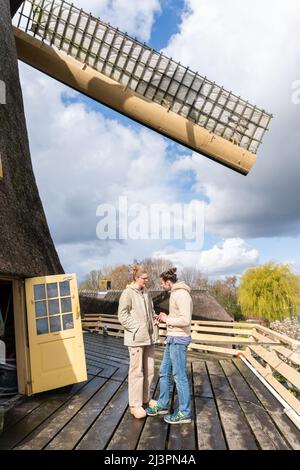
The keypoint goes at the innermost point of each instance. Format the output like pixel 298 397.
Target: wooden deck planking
pixel 237 431
pixel 232 409
pixel 44 433
pixel 17 433
pixel 155 431
pixel 258 419
pixel 127 435
pixel 208 425
pixel 183 437
pixel 96 438
pixel 285 426
pixel 73 432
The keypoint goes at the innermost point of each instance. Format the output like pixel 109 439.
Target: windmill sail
pixel 169 97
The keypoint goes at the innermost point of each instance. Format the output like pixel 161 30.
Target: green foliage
pixel 225 292
pixel 269 292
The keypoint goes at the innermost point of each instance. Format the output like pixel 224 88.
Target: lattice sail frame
pixel 145 71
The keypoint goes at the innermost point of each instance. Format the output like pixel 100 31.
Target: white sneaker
pixel 138 412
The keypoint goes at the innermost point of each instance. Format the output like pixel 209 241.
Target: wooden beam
pixel 90 82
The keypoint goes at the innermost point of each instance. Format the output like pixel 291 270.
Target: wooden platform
pixel 231 410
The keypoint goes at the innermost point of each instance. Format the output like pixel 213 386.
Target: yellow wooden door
pixel 56 347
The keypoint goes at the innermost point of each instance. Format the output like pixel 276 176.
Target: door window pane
pixel 64 288
pixel 66 305
pixel 40 309
pixel 67 322
pixel 39 292
pixel 55 323
pixel 53 307
pixel 42 326
pixel 52 290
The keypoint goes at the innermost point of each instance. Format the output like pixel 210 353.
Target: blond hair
pixel 137 270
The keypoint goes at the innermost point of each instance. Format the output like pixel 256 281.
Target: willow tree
pixel 269 292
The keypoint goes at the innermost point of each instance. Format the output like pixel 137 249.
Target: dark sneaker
pixel 177 418
pixel 156 409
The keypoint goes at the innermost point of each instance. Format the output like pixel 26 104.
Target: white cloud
pixel 134 17
pixel 253 51
pixel 81 160
pixel 231 257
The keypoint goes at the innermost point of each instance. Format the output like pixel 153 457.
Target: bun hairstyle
pixel 137 270
pixel 169 275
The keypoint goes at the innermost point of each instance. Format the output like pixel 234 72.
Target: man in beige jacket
pixel 136 314
pixel 174 361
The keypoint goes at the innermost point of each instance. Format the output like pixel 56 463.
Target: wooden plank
pixel 236 429
pixel 202 386
pixel 214 349
pixel 105 342
pixel 113 334
pixel 241 389
pixel 95 438
pixel 266 433
pixel 120 374
pixel 279 336
pixel 93 370
pixel 72 433
pixel 155 432
pixel 262 426
pixel 107 356
pixel 183 437
pixel 107 371
pixel 112 359
pixel 209 430
pixel 93 346
pixel 220 339
pixel 292 356
pixel 273 360
pixel 283 350
pixel 43 434
pixel 272 405
pixel 221 331
pixel 107 347
pixel 219 382
pixel 18 412
pixel 267 374
pixel 225 323
pixel 17 433
pixel 127 434
pixel 237 432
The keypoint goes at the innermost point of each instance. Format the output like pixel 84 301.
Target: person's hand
pixel 162 317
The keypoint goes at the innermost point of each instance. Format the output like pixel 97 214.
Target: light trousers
pixel 141 372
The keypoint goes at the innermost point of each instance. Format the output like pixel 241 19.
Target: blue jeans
pixel 174 366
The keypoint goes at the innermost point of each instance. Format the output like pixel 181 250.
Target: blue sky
pixel 249 220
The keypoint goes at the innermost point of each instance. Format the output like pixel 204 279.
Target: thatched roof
pixel 26 246
pixel 205 305
pixel 91 302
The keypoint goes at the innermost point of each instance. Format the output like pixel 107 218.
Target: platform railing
pixel 274 356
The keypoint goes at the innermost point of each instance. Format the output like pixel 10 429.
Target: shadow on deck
pixel 232 409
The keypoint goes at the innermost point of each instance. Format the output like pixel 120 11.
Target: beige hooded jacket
pixel 136 314
pixel 181 310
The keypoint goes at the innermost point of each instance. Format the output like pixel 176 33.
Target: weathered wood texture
pixel 231 410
